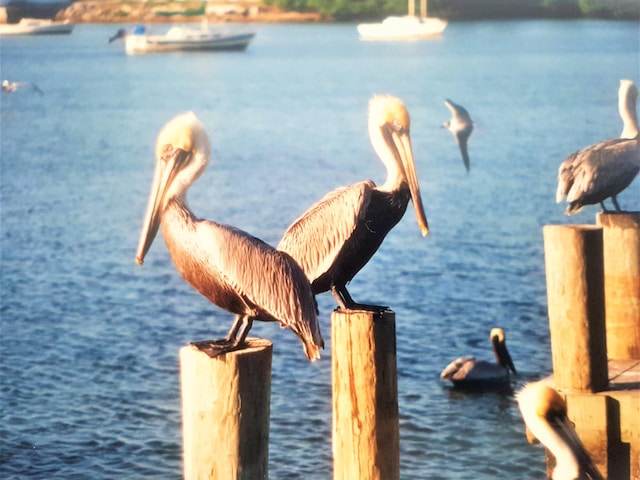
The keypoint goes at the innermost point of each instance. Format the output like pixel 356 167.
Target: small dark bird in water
pixel 472 374
pixel 461 127
pixel 605 169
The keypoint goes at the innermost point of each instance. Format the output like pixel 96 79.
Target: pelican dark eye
pixel 166 152
pixel 398 127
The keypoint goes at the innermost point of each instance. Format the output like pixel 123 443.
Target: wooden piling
pixel 225 412
pixel 366 439
pixel 575 298
pixel 621 245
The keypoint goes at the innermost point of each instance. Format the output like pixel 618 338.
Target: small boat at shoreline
pixel 36 26
pixel 139 40
pixel 408 27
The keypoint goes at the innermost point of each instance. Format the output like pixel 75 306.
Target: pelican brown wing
pixel 597 172
pixel 316 238
pixel 268 281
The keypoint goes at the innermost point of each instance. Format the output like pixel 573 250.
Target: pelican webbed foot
pixel 233 341
pixel 215 348
pixel 345 302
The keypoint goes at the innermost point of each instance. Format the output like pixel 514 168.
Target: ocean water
pixel 89 341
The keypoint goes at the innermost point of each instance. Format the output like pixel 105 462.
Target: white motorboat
pixel 183 39
pixel 35 26
pixel 406 27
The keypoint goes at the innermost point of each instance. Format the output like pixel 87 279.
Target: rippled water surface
pixel 89 341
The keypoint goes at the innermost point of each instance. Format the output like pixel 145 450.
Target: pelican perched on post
pixel 338 235
pixel 545 414
pixel 472 374
pixel 605 169
pixel 461 127
pixel 231 268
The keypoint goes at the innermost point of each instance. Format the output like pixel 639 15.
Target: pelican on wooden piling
pixel 544 413
pixel 338 235
pixel 473 374
pixel 231 268
pixel 461 127
pixel 605 169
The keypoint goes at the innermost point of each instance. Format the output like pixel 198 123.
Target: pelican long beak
pixel 503 357
pixel 403 145
pixel 171 161
pixel 565 429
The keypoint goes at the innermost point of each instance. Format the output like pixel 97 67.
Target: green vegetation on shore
pixel 348 10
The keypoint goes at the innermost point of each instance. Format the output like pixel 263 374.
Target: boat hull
pixel 138 44
pixel 402 28
pixel 32 26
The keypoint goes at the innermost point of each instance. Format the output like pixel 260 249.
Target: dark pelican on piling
pixel 471 374
pixel 605 169
pixel 545 415
pixel 338 235
pixel 231 268
pixel 461 127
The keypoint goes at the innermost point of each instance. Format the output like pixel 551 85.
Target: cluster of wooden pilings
pixel 593 296
pixel 226 402
pixel 593 290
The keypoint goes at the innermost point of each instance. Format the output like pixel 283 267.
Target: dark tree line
pixel 348 10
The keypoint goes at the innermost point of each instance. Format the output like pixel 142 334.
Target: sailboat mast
pixel 412 8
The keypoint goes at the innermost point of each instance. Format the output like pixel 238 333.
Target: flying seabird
pixel 232 269
pixel 338 235
pixel 605 169
pixel 472 374
pixel 461 127
pixel 8 86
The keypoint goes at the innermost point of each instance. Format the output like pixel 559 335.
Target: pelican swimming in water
pixel 338 235
pixel 470 373
pixel 231 268
pixel 461 127
pixel 545 414
pixel 603 170
pixel 10 87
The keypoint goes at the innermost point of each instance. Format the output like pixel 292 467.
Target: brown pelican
pixel 545 414
pixel 461 127
pixel 472 374
pixel 232 269
pixel 8 86
pixel 338 235
pixel 603 170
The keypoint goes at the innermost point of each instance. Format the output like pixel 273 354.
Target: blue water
pixel 89 341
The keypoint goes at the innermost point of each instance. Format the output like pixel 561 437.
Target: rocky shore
pixel 122 11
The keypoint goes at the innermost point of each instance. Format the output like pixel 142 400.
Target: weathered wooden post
pixel 621 244
pixel 366 439
pixel 225 412
pixel 575 298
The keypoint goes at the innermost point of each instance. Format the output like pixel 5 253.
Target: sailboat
pixel 407 27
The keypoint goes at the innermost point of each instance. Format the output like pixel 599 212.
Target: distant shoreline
pixel 100 11
pixel 247 11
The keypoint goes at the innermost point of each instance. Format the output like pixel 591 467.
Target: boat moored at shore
pixel 35 26
pixel 179 38
pixel 407 27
